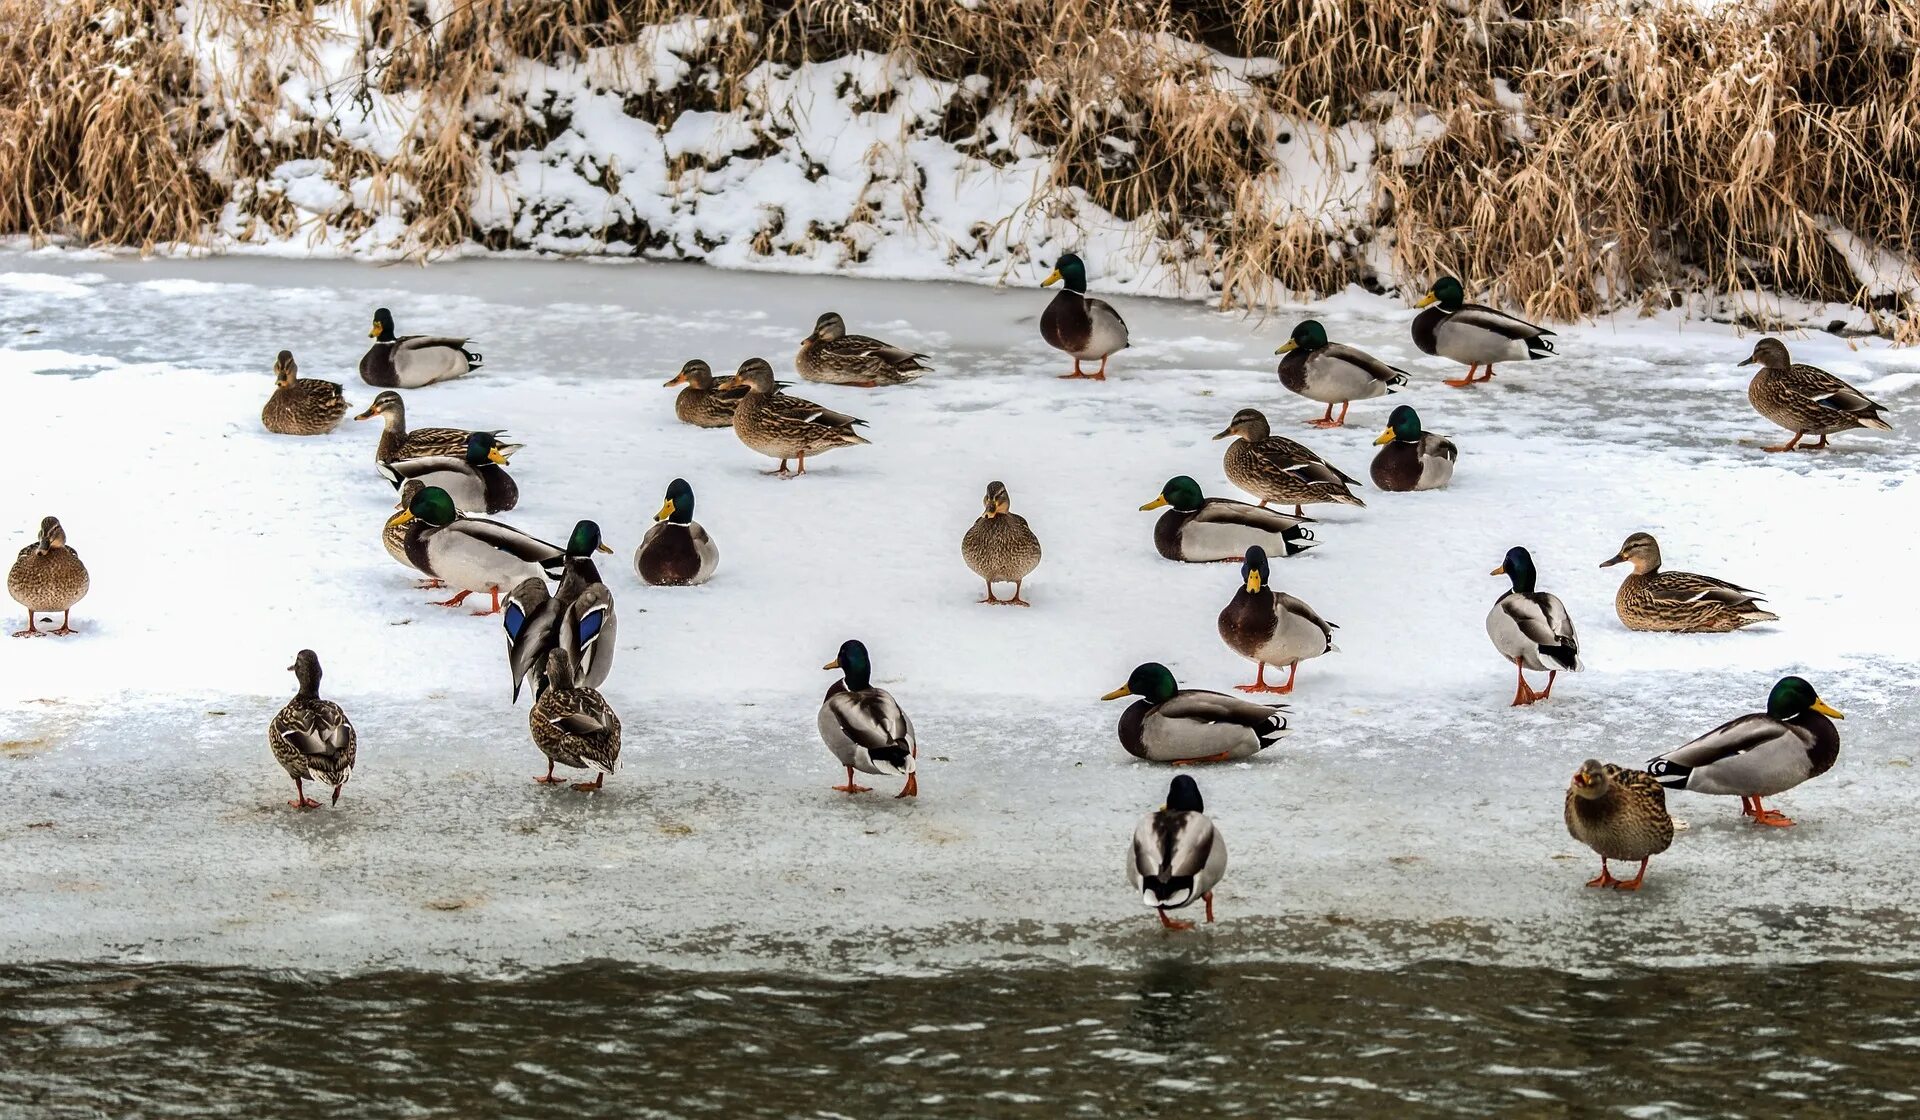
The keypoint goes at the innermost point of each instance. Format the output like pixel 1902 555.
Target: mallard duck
pixel 312 739
pixel 783 427
pixel 1178 855
pixel 587 619
pixel 1621 814
pixel 1531 629
pixel 1759 755
pixel 531 618
pixel 394 534
pixel 1000 547
pixel 476 480
pixel 1333 374
pixel 1412 459
pixel 1806 400
pixel 676 551
pixel 864 727
pixel 834 357
pixel 1272 627
pixel 48 576
pixel 1201 530
pixel 412 360
pixel 701 403
pixel 1472 334
pixel 301 406
pixel 1084 327
pixel 1276 469
pixel 573 725
pixel 1679 602
pixel 398 442
pixel 1188 725
pixel 473 553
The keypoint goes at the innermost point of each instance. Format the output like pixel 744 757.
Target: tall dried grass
pixel 1662 150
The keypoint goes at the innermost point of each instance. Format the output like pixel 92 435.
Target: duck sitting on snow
pixel 1084 327
pixel 1412 459
pixel 1759 755
pixel 476 479
pixel 1473 334
pixel 1199 530
pixel 397 441
pixel 1806 400
pixel 1619 813
pixel 1187 725
pixel 412 360
pixel 301 406
pixel 676 551
pixel 1271 627
pixel 864 726
pixel 1177 854
pixel 702 403
pixel 1531 629
pixel 832 356
pixel 1332 373
pixel 1679 602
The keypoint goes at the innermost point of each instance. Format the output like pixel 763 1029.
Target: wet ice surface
pixel 1412 814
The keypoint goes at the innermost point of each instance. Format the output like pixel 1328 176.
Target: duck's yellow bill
pixel 1053 277
pixel 1253 581
pixel 676 379
pixel 1499 571
pixel 1156 503
pixel 495 455
pixel 1383 437
pixel 400 518
pixel 1289 344
pixel 1117 693
pixel 1820 706
pixel 374 332
pixel 666 510
pixel 1429 298
pixel 834 664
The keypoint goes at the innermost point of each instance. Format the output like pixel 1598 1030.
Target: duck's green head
pixel 1793 697
pixel 1254 574
pixel 382 326
pixel 853 664
pixel 1446 292
pixel 1180 492
pixel 1152 682
pixel 679 503
pixel 1402 426
pixel 484 448
pixel 1518 567
pixel 1308 336
pixel 431 505
pixel 585 540
pixel 1183 796
pixel 1071 269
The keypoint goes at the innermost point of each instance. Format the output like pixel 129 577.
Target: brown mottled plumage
pixel 783 427
pixel 397 442
pixel 573 725
pixel 1806 400
pixel 48 576
pixel 1000 547
pixel 833 356
pixel 1276 469
pixel 1679 602
pixel 301 406
pixel 312 738
pixel 1621 814
pixel 701 403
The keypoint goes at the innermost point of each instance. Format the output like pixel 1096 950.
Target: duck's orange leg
pixel 851 787
pixel 1260 680
pixel 1463 382
pixel 1773 818
pixel 1209 899
pixel 1328 421
pixel 1789 445
pixel 1523 693
pixel 1632 884
pixel 1606 878
pixel 453 602
pixel 1173 923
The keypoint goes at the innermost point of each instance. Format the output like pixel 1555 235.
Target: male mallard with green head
pixel 1679 602
pixel 1188 725
pixel 410 361
pixel 1531 629
pixel 832 356
pixel 311 738
pixel 1806 400
pixel 476 480
pixel 473 553
pixel 783 427
pixel 1333 373
pixel 1276 469
pixel 1759 755
pixel 676 552
pixel 1412 459
pixel 397 441
pixel 301 406
pixel 573 725
pixel 1271 627
pixel 1000 546
pixel 48 576
pixel 865 727
pixel 1472 334
pixel 1177 854
pixel 1199 530
pixel 1621 814
pixel 1084 327
pixel 702 403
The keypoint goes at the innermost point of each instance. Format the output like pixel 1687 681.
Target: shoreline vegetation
pixel 1568 158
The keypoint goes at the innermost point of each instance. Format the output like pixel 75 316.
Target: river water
pixel 1177 1038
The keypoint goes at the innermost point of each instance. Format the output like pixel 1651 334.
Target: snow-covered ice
pixel 1411 814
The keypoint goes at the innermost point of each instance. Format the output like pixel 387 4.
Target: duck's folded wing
pixel 1498 322
pixel 1102 307
pixel 1361 360
pixel 1299 609
pixel 1824 388
pixel 1731 740
pixel 507 539
pixel 1440 446
pixel 1690 587
pixel 874 348
pixel 871 718
pixel 1527 614
pixel 1173 845
pixel 428 342
pixel 398 471
pixel 1226 511
pixel 806 412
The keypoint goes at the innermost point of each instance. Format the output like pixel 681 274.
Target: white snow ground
pixel 1413 814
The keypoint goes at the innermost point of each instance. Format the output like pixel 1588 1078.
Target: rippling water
pixel 1179 1038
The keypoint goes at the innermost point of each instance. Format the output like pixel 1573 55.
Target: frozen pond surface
pixel 1412 814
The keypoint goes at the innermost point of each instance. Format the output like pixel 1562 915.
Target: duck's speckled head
pixel 1518 567
pixel 997 500
pixel 1152 682
pixel 695 373
pixel 1183 796
pixel 52 535
pixel 1793 697
pixel 585 539
pixel 1248 424
pixel 284 369
pixel 1070 269
pixel 1254 573
pixel 1403 426
pixel 854 665
pixel 1640 550
pixel 1309 336
pixel 755 374
pixel 1446 292
pixel 306 670
pixel 1181 492
pixel 382 326
pixel 1769 353
pixel 828 327
pixel 1591 781
pixel 679 503
pixel 386 403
